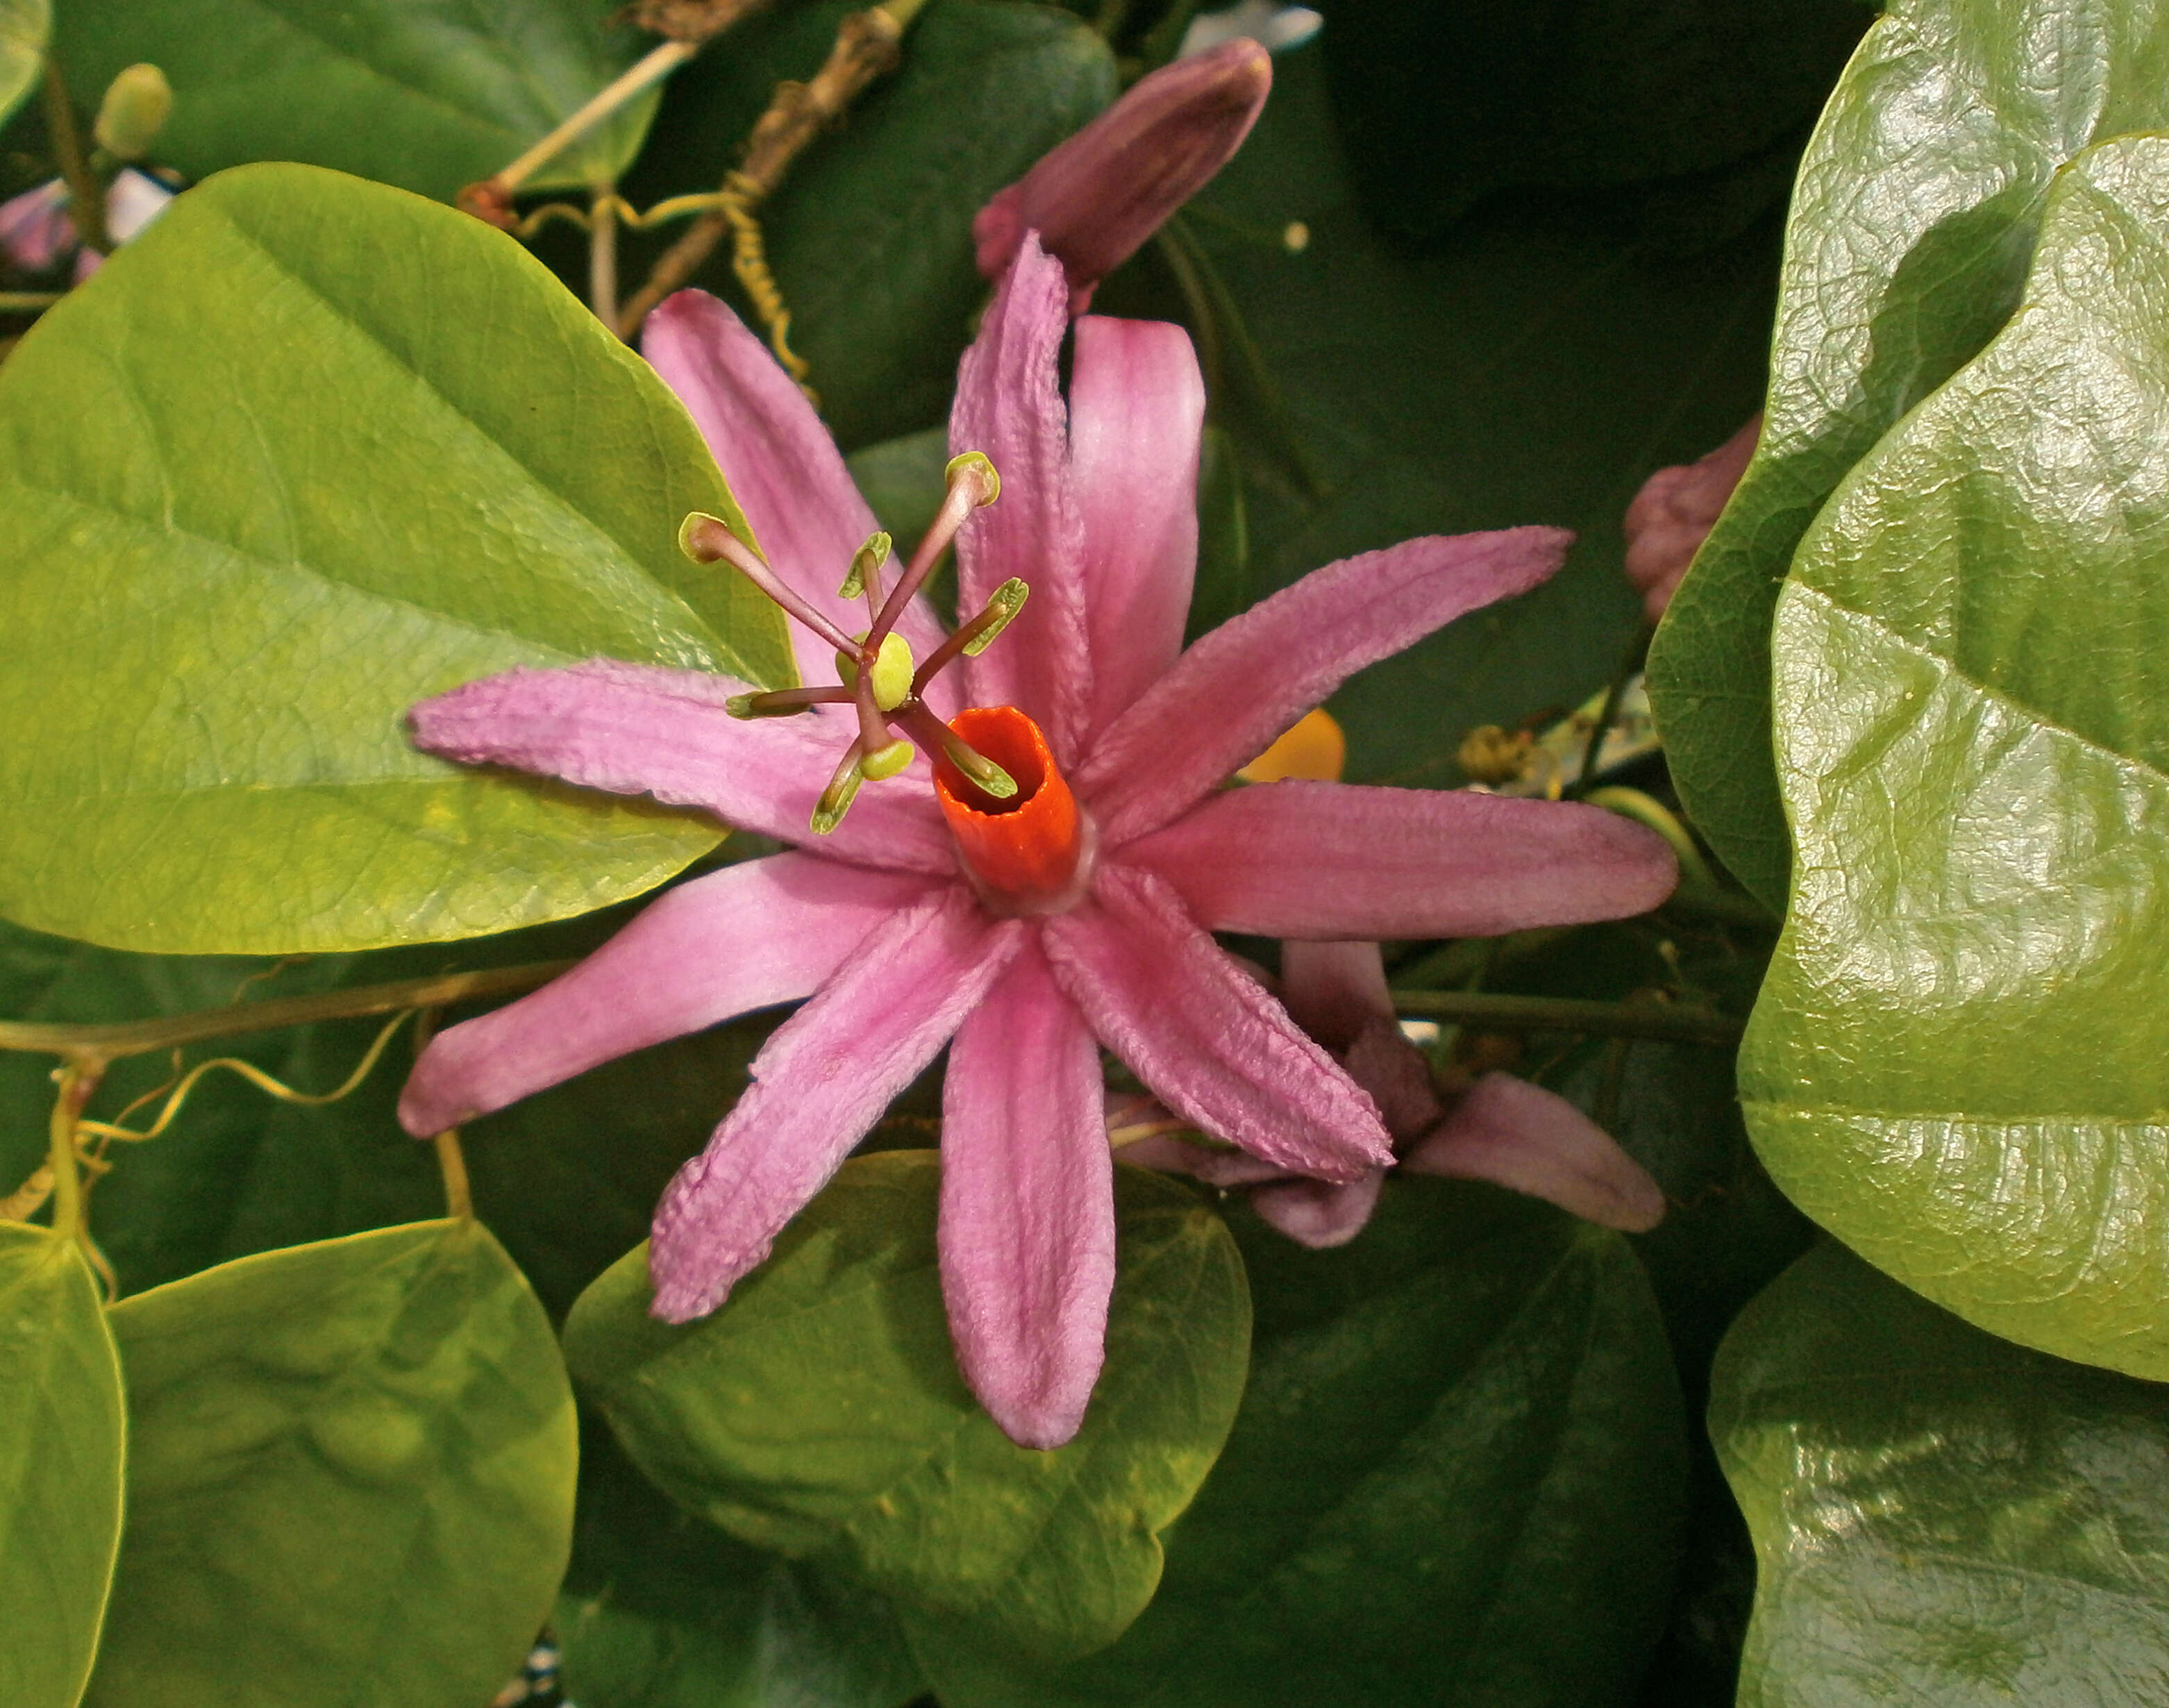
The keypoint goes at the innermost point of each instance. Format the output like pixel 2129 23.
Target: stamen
pixel 836 799
pixel 784 703
pixel 973 484
pixel 976 636
pixel 707 539
pixel 864 573
pixel 938 742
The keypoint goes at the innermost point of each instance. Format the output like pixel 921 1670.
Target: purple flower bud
pixel 1094 199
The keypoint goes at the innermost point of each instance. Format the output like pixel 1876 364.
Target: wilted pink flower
pixel 1094 198
pixel 36 233
pixel 1075 913
pixel 1501 1128
pixel 1674 512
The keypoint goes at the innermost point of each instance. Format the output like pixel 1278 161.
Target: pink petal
pixel 1674 512
pixel 1136 407
pixel 1316 1212
pixel 1008 405
pixel 35 230
pixel 782 467
pixel 819 1084
pixel 1206 1040
pixel 746 937
pixel 1230 695
pixel 1333 990
pixel 1225 1169
pixel 1027 1206
pixel 1516 1135
pixel 642 729
pixel 1333 860
pixel 1096 197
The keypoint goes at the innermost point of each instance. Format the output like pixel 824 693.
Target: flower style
pixel 1029 929
pixel 1093 199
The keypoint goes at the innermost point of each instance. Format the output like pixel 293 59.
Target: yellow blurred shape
pixel 1315 750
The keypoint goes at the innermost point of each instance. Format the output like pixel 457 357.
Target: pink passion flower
pixel 1031 928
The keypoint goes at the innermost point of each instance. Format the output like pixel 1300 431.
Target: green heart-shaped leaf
pixel 59 1467
pixel 425 94
pixel 1960 1060
pixel 1939 1517
pixel 661 1609
pixel 25 26
pixel 350 1478
pixel 308 451
pixel 1916 208
pixel 1456 1478
pixel 820 1409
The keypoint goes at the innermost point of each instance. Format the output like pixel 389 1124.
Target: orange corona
pixel 1024 850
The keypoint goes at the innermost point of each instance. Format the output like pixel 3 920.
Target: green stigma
pixel 893 667
pixel 885 762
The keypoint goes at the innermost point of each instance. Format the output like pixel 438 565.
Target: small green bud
pixel 137 105
pixel 1007 601
pixel 868 558
pixel 975 462
pixel 885 762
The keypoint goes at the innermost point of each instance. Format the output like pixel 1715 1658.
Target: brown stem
pixel 107 1042
pixel 86 199
pixel 1502 1013
pixel 867 45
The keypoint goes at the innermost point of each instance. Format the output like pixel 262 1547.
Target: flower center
pixel 877 677
pixel 1027 853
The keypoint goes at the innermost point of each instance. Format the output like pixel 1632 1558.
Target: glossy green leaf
pixel 661 1609
pixel 1455 1479
pixel 1957 1062
pixel 870 237
pixel 350 1478
pixel 60 1440
pixel 1941 1519
pixel 1917 206
pixel 24 27
pixel 425 94
pixel 1451 392
pixel 300 489
pixel 820 1411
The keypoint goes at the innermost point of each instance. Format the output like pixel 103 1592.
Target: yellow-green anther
pixel 137 105
pixel 740 706
pixel 1007 601
pixel 885 762
pixel 892 670
pixel 974 463
pixel 868 558
pixel 836 799
pixel 982 770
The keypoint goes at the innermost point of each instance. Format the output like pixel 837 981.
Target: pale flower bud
pixel 137 105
